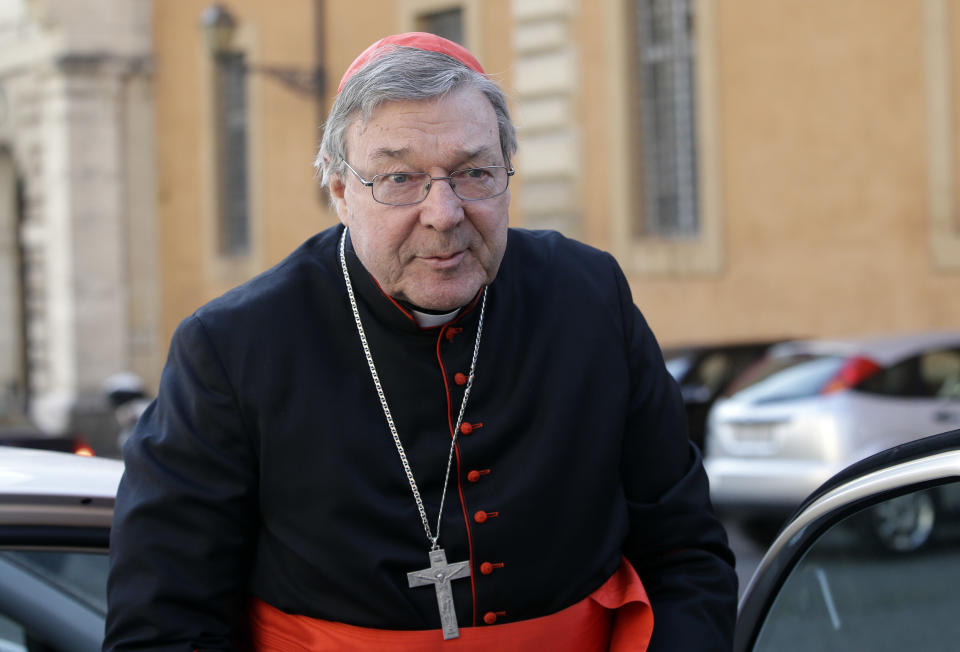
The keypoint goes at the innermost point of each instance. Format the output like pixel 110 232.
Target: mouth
pixel 444 261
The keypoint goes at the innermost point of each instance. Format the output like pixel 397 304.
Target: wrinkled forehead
pixel 462 122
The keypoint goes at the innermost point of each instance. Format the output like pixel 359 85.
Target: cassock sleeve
pixel 675 542
pixel 184 523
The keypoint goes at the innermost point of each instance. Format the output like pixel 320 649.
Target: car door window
pixel 941 372
pixel 52 599
pixel 884 578
pixel 13 638
pixel 928 375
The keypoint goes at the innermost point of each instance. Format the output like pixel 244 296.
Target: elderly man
pixel 423 429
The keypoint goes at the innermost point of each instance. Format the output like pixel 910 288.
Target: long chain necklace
pixel 440 573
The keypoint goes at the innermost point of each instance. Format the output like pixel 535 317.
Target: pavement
pixel 747 552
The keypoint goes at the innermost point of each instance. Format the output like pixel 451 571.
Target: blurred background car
pixel 704 371
pixel 810 408
pixel 16 429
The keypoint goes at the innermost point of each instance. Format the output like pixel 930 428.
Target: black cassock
pixel 265 466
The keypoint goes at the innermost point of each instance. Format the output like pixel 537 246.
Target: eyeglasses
pixel 407 188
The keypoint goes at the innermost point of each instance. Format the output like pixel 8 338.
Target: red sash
pixel 616 617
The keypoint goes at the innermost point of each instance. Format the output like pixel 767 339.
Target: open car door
pixel 870 561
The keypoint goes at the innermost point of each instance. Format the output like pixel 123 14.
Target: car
pixel 813 407
pixel 55 514
pixel 814 589
pixel 704 371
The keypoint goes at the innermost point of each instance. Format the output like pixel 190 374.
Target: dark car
pixel 704 371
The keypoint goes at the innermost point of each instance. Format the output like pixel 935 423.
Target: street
pixel 747 552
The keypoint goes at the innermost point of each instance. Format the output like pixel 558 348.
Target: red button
pixel 491 617
pixel 452 332
pixel 467 428
pixel 460 379
pixel 475 475
pixel 480 517
pixel 486 567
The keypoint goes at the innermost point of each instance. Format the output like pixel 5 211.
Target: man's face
pixel 436 254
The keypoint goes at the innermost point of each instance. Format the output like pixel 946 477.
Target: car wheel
pixel 904 524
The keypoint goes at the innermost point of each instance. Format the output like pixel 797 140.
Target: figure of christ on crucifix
pixel 440 574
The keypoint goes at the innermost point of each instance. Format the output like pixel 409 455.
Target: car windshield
pixel 787 377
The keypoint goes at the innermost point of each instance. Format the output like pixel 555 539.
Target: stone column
pixel 83 249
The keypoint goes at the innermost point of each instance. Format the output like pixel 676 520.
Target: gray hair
pixel 404 74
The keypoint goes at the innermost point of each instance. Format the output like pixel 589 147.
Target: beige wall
pixel 286 206
pixel 823 151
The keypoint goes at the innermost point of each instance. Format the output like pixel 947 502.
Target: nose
pixel 442 209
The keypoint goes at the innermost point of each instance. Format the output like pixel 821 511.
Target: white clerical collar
pixel 427 320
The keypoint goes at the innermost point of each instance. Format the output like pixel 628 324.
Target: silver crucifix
pixel 440 574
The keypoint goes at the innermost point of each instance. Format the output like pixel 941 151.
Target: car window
pixel 786 377
pixel 52 600
pixel 928 375
pixel 81 574
pixel 717 370
pixel 941 370
pixel 884 578
pixel 712 370
pixel 13 637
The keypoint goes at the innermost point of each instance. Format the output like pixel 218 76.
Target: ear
pixel 337 189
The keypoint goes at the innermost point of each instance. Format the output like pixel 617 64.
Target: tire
pixel 905 523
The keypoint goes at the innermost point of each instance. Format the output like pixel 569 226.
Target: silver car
pixel 810 408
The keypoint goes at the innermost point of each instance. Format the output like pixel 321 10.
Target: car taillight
pixel 81 447
pixel 853 372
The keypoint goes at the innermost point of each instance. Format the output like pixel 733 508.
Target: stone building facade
pixel 78 262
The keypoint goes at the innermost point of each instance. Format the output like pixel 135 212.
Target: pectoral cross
pixel 440 575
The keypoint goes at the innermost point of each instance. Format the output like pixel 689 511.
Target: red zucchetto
pixel 419 40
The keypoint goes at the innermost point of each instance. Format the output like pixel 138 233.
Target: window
pixel 52 600
pixel 667 111
pixel 233 205
pixel 447 23
pixel 786 378
pixel 929 375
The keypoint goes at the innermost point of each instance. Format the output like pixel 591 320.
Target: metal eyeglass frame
pixel 449 179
